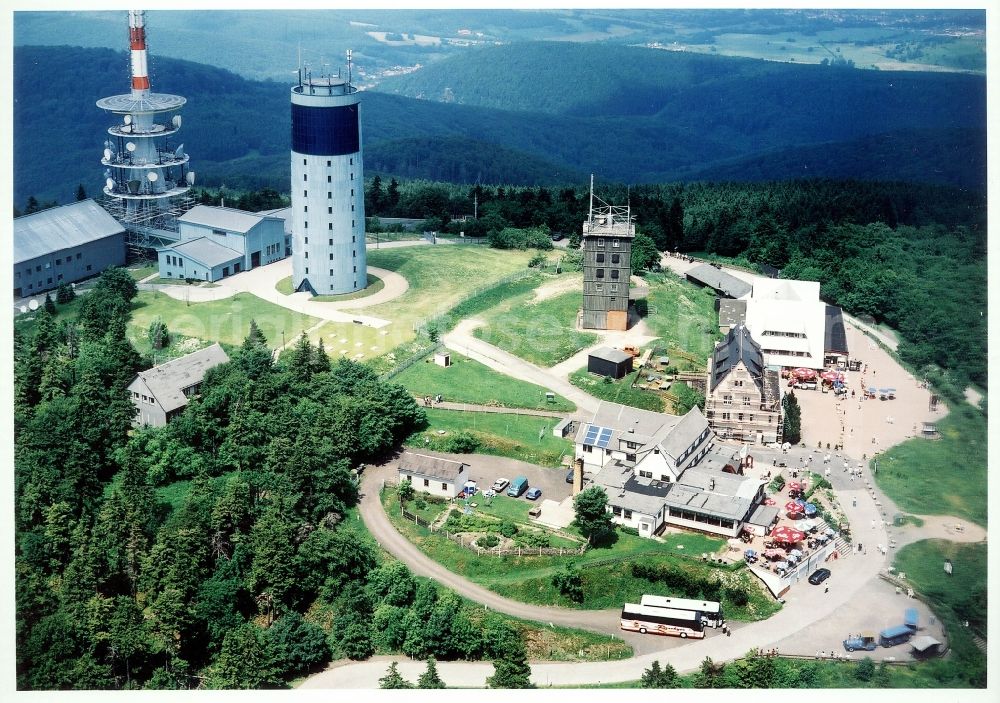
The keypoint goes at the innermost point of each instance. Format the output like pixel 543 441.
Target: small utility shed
pixel 609 362
pixel 430 473
pixel 925 646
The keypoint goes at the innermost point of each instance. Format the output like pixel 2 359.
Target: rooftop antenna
pixel 299 63
pixel 591 215
pixel 349 54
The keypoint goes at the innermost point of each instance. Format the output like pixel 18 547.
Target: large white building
pixel 328 198
pixel 788 320
pixel 660 469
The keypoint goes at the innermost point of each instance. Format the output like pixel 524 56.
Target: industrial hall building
pixel 660 470
pixel 216 242
pixel 64 244
pixel 743 396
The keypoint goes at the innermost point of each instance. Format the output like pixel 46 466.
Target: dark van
pixel 518 486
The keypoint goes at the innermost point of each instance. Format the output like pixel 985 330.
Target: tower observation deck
pixel 327 187
pixel 146 172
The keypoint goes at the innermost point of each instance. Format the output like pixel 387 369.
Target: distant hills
pixel 545 113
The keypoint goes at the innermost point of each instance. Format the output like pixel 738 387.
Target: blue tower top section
pixel 325 131
pixel 325 117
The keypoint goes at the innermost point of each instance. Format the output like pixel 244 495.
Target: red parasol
pixel 787 535
pixel 775 553
pixel 804 374
pixel 791 507
pixel 770 501
pixel 794 486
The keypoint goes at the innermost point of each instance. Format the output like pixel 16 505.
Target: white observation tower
pixel 328 196
pixel 146 176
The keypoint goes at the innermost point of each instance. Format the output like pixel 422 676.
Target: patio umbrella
pixel 793 507
pixel 810 509
pixel 787 535
pixel 797 553
pixel 770 501
pixel 804 373
pixel 802 503
pixel 872 390
pixel 749 554
pixel 829 532
pixel 883 390
pixel 794 486
pixel 781 565
pixel 775 553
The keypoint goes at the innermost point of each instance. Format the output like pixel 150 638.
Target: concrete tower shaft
pixel 327 186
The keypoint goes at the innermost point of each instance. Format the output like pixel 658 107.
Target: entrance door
pixel 255 259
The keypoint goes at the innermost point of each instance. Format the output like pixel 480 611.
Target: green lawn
pixel 468 381
pixel 620 391
pixel 525 437
pixel 226 320
pixel 946 476
pixel 954 598
pixel 439 278
pixel 542 332
pixel 141 272
pixel 375 284
pixel 607 578
pixel 683 316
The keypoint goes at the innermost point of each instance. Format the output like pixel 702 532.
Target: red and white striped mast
pixel 137 45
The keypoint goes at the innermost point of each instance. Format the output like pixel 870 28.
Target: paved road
pixel 461 340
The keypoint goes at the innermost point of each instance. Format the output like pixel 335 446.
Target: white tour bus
pixel 708 611
pixel 661 621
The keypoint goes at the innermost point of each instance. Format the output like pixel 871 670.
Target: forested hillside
pixel 237 131
pixel 215 552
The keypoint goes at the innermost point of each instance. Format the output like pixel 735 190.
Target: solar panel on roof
pixel 605 437
pixel 591 435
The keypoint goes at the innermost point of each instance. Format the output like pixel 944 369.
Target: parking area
pixel 484 469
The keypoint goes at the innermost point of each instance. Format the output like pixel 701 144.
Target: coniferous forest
pixel 216 551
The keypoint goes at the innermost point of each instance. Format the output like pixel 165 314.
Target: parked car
pixel 533 494
pixel 518 486
pixel 569 475
pixel 500 484
pixel 556 236
pixel 865 640
pixel 819 576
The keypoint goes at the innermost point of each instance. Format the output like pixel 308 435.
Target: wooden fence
pixel 469 543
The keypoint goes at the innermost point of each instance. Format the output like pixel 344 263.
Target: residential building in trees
pixel 743 396
pixel 160 393
pixel 433 474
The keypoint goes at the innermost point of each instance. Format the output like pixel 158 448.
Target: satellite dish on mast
pixel 32 304
pixel 128 119
pixel 179 151
pixel 110 183
pixel 23 308
pixel 130 146
pixel 176 121
pixel 107 154
pixel 152 176
pixel 190 178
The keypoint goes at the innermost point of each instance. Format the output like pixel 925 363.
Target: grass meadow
pixel 620 391
pixel 524 437
pixel 946 476
pixel 542 332
pixel 468 381
pixel 684 317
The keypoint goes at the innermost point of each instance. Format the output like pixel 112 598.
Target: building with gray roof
pixel 743 396
pixel 731 313
pixel 660 469
pixel 64 244
pixel 835 349
pixel 609 362
pixel 432 473
pixel 216 242
pixel 718 280
pixel 160 393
